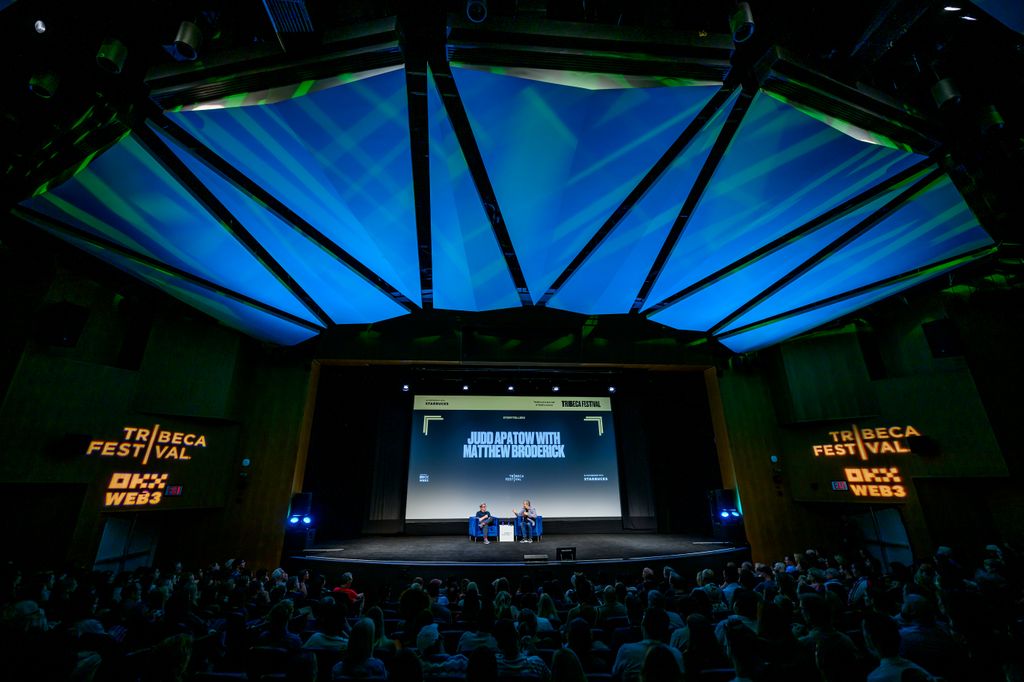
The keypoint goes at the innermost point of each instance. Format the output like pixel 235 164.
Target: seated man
pixel 528 520
pixel 483 520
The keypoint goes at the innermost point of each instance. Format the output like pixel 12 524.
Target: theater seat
pixel 474 529
pixel 538 530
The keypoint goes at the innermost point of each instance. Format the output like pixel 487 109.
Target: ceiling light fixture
pixel 112 55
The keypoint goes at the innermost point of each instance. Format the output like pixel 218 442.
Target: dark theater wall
pixel 142 361
pixel 781 402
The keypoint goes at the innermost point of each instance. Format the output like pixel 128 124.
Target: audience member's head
pixel 428 641
pixel 655 626
pixel 507 638
pixel 360 642
pixel 578 636
pixel 565 667
pixel 741 647
pixel 660 665
pixel 815 611
pixel 482 666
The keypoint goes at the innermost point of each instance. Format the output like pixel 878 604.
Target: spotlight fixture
pixel 741 23
pixel 293 520
pixel 405 388
pixel 555 389
pixel 724 514
pixel 511 387
pixel 968 18
pixel 611 389
pixel 186 42
pixel 40 26
pixel 945 93
pixel 476 11
pixel 950 8
pixel 465 387
pixel 112 55
pixel 308 520
pixel 44 84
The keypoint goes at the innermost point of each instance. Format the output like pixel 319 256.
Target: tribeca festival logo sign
pixel 128 489
pixel 865 443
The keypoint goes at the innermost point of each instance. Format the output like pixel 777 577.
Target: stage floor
pixel 461 551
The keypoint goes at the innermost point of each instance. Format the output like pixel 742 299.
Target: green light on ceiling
pixel 845 127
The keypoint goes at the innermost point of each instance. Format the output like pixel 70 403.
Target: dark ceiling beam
pixel 178 170
pixel 707 171
pixel 240 180
pixel 456 111
pixel 419 144
pixel 638 192
pixel 794 235
pixel 948 263
pixel 799 83
pixel 348 49
pixel 46 222
pixel 857 230
pixel 893 21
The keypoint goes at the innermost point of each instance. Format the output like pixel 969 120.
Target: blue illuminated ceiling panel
pixel 125 196
pixel 706 307
pixel 470 272
pixel 782 169
pixel 934 227
pixel 610 279
pixel 782 329
pixel 340 158
pixel 342 293
pixel 561 159
pixel 245 318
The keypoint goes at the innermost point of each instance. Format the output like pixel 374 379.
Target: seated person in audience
pixel 882 639
pixel 579 638
pixel 481 635
pixel 610 608
pixel 630 658
pixel 547 614
pixel 526 626
pixel 744 608
pixel 701 650
pixel 586 602
pixel 818 617
pixel 565 667
pixel 741 647
pixel 511 659
pixel 441 613
pixel 503 606
pixel 660 665
pixel 329 632
pixel 655 599
pixel 383 642
pixel 355 599
pixel 435 662
pixel 358 660
pixel 929 643
pixel 277 634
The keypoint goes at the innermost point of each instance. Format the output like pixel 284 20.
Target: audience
pixel 812 616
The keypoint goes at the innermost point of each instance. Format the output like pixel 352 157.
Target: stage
pixel 434 555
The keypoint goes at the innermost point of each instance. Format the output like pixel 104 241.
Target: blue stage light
pixel 307 520
pixel 724 514
pixel 735 513
pixel 294 519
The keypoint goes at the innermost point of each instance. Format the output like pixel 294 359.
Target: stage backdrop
pixel 557 451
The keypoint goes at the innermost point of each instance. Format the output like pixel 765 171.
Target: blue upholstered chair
pixel 538 530
pixel 475 532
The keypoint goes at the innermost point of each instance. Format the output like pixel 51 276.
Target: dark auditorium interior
pixel 745 275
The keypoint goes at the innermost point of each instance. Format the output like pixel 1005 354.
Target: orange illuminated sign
pixel 862 442
pixel 144 444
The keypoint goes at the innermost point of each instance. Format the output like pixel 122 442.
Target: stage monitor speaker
pixel 726 519
pixel 566 553
pixel 299 539
pixel 302 504
pixel 535 557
